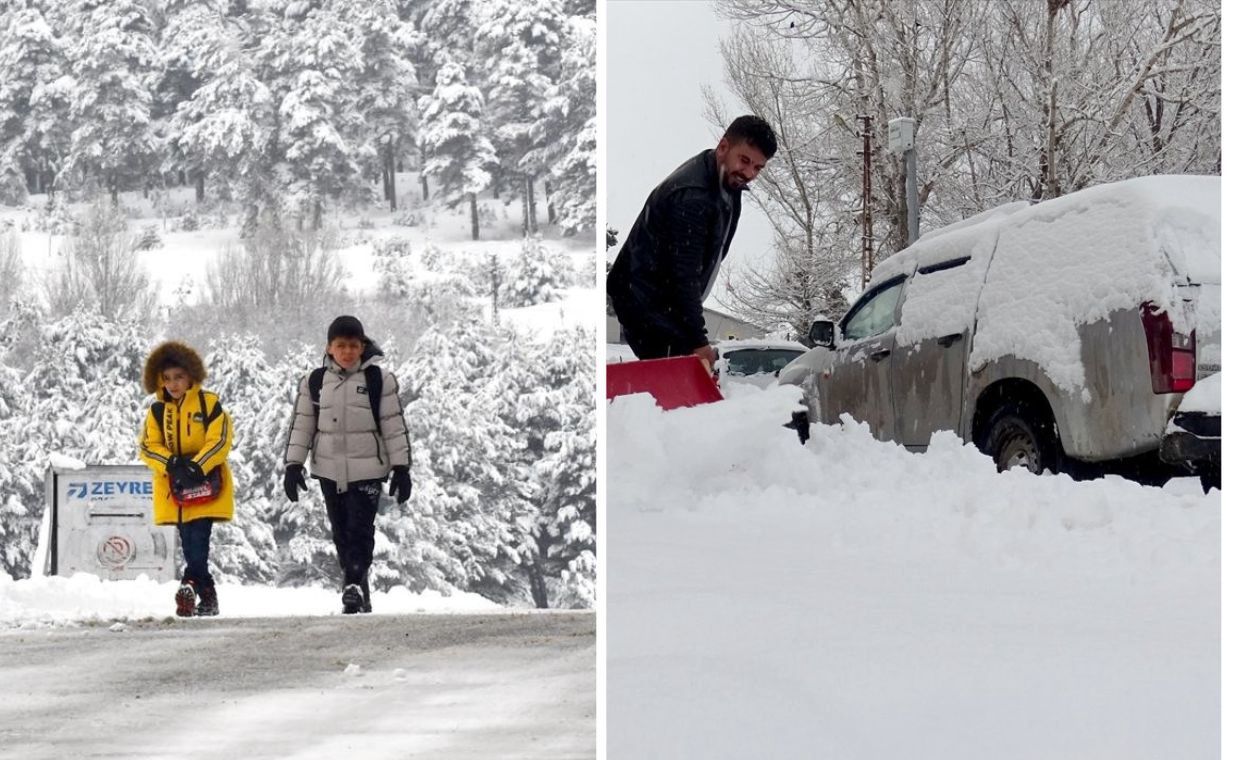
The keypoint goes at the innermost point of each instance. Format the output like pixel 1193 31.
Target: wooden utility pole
pixel 866 200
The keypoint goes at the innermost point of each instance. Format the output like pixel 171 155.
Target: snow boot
pixel 208 604
pixel 352 599
pixel 365 597
pixel 185 598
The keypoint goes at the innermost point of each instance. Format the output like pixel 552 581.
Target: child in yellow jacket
pixel 186 437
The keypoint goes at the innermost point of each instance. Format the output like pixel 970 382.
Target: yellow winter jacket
pixel 180 430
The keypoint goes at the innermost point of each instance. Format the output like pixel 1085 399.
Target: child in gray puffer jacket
pixel 348 421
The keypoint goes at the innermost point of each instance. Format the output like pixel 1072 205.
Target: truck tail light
pixel 1172 355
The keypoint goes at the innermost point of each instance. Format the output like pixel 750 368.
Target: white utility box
pixel 899 134
pixel 101 523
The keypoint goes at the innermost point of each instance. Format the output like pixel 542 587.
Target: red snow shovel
pixel 675 382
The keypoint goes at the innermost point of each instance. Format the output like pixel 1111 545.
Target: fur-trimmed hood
pixel 171 354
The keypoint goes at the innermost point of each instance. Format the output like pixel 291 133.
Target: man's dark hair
pixel 754 130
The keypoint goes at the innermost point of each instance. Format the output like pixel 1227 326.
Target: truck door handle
pixel 947 340
pixel 878 356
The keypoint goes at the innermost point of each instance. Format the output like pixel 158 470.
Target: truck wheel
pixel 1019 437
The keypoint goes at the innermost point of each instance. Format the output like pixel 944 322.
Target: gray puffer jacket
pixel 346 447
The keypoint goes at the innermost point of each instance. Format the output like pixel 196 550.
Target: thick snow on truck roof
pixel 1031 275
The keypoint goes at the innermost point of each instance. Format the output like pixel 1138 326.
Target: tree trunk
pixel 550 207
pixel 537 586
pixel 473 213
pixel 391 172
pixel 422 171
pixel 200 187
pixel 533 205
pixel 524 208
pixel 495 280
pixel 318 215
pixel 1049 151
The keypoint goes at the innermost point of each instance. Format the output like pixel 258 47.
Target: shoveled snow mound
pixel 84 598
pixel 851 599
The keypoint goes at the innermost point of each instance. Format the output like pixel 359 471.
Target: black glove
pixel 184 471
pixel 294 478
pixel 192 471
pixel 176 469
pixel 401 486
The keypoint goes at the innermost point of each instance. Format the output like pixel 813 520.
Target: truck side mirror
pixel 822 333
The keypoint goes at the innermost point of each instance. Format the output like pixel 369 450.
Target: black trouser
pixel 196 545
pixel 352 527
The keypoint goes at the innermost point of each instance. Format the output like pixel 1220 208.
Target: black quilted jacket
pixel 665 267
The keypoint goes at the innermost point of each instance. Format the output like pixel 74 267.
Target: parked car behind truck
pixel 1066 330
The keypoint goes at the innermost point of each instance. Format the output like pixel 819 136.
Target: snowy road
pixel 453 686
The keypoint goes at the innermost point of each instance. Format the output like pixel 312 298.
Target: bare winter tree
pixel 1013 99
pixel 99 268
pixel 883 59
pixel 812 264
pixel 276 268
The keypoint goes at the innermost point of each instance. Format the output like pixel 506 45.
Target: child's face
pixel 346 351
pixel 176 381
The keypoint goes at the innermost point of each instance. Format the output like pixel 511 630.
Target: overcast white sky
pixel 660 53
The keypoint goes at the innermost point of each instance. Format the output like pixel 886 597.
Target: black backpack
pixel 374 387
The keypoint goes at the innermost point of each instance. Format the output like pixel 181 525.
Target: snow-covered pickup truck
pixel 1065 331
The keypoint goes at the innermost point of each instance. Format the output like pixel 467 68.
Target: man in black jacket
pixel 667 266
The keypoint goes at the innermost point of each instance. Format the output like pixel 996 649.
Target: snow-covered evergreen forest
pixel 234 174
pixel 1013 100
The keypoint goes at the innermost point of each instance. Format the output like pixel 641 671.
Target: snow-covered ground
pixel 851 599
pixel 178 267
pixel 54 601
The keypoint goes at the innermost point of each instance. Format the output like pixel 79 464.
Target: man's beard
pixel 736 181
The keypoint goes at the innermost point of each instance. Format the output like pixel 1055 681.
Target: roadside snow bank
pixel 859 494
pixel 848 598
pixel 84 598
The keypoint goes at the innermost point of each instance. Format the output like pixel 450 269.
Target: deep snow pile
pixel 84 598
pixel 851 599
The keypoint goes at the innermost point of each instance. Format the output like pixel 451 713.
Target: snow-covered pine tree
pixel 539 275
pixel 461 450
pixel 20 493
pixel 196 43
pixel 547 393
pixel 82 399
pixel 34 130
pixel 565 535
pixel 460 155
pixel 316 67
pixel 225 132
pixel 387 86
pixel 447 26
pixel 519 45
pixel 244 550
pixel 307 555
pixel 567 128
pixel 113 143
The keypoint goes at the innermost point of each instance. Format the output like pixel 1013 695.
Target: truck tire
pixel 1017 436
